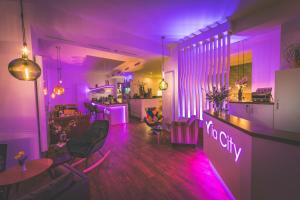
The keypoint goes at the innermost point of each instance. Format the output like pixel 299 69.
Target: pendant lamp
pixel 23 68
pixel 163 85
pixel 59 89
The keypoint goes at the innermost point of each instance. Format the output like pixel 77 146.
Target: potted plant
pixel 217 97
pixel 21 157
pixel 241 84
pixel 292 54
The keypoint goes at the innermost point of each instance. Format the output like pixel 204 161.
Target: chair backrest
pixel 97 133
pixel 191 120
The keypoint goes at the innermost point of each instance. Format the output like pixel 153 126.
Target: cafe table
pixel 14 175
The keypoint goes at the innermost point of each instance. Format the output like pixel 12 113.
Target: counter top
pixel 252 102
pixel 255 130
pixel 110 105
pixel 145 98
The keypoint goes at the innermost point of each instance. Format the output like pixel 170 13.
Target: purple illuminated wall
pixel 77 78
pixel 17 103
pixel 265 48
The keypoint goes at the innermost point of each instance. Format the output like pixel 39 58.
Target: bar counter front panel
pixel 115 113
pixel 252 167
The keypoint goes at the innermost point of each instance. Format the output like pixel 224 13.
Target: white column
pixel 179 82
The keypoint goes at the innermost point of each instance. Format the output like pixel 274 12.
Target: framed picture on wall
pixel 3 151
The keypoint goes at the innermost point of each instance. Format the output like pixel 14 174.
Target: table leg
pixel 4 192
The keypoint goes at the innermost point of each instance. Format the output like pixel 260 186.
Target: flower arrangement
pixel 21 157
pixel 62 131
pixel 217 97
pixel 242 82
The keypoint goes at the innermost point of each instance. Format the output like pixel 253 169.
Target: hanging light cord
pixel 22 23
pixel 59 66
pixel 58 63
pixel 243 58
pixel 238 61
pixel 162 53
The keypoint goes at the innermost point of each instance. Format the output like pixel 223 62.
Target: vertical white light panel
pixel 202 65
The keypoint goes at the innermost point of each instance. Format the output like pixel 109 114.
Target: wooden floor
pixel 140 168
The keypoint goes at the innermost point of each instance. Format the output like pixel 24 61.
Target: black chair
pixel 89 143
pixel 92 110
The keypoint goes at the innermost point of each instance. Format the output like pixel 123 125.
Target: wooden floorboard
pixel 140 168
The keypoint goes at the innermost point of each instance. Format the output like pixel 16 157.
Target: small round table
pixel 14 175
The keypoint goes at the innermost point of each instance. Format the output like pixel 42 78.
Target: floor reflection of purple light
pixel 203 173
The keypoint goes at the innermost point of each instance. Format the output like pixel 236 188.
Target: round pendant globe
pixel 59 90
pixel 163 85
pixel 24 69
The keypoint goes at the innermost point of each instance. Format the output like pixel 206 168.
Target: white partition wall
pixel 203 63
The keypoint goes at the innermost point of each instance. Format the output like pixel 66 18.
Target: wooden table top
pixel 15 175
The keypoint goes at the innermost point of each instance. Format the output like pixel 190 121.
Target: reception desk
pixel 254 162
pixel 114 113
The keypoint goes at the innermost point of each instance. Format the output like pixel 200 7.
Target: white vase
pixel 23 168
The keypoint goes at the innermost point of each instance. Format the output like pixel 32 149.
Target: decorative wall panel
pixel 203 63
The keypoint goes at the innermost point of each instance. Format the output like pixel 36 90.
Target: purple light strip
pixel 221 181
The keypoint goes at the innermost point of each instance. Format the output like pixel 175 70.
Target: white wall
pixel 290 34
pixel 265 48
pixel 266 60
pixel 76 80
pixel 171 66
pixel 17 102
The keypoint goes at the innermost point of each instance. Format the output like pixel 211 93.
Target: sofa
pixel 66 183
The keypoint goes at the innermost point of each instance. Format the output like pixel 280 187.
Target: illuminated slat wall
pixel 202 65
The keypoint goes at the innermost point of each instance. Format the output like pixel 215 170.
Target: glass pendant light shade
pixel 163 85
pixel 59 90
pixel 24 69
pixel 52 95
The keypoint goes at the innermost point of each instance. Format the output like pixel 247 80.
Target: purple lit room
pixel 150 100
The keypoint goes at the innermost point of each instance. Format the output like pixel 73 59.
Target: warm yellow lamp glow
pixel 159 93
pixel 163 85
pixel 24 69
pixel 25 51
pixel 59 90
pixel 53 95
pixel 45 91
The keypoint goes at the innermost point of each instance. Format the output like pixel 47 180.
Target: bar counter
pixel 115 113
pixel 255 162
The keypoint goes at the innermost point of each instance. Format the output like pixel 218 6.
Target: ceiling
pixel 124 30
pixel 132 26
